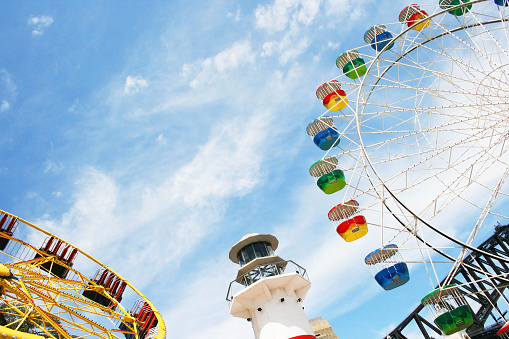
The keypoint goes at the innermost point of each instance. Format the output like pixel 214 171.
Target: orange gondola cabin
pixel 332 96
pixel 413 14
pixel 348 225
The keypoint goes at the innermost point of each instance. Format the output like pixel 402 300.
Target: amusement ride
pixel 415 145
pixel 51 289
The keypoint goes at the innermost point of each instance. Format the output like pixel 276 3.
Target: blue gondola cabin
pixel 324 133
pixel 388 267
pixel 379 38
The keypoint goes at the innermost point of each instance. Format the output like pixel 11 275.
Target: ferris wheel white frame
pixel 380 188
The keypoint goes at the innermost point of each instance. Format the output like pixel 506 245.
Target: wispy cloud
pixel 4 106
pixel 161 139
pixel 278 15
pixel 39 24
pixel 133 84
pixel 218 128
pixel 8 90
pixel 168 216
pixel 53 166
pixel 218 66
pixel 207 287
pixel 236 16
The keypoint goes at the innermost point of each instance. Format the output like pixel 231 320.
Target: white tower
pixel 271 290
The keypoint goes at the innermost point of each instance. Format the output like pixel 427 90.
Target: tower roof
pixel 249 239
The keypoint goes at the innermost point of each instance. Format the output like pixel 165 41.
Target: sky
pixel 154 135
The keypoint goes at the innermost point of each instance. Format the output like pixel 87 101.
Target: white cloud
pixel 308 12
pixel 333 45
pixel 239 54
pixel 72 108
pixel 292 44
pixel 168 216
pixel 236 16
pixel 207 287
pixel 161 139
pixel 227 165
pixel 8 90
pixel 40 24
pixel 133 84
pixel 53 166
pixel 4 106
pixel 277 16
pixel 268 48
pixel 291 47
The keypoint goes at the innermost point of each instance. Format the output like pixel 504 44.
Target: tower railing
pixel 264 271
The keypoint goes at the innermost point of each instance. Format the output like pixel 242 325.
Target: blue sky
pixel 154 135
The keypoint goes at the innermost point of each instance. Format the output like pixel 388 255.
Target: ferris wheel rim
pixel 366 158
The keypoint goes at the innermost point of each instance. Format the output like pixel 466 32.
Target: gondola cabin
pixel 348 225
pixel 352 65
pixel 59 256
pixel 8 225
pixel 413 14
pixel 388 267
pixel 457 11
pixel 323 132
pixel 379 38
pixel 503 332
pixel 328 178
pixel 503 3
pixel 146 321
pixel 332 96
pixel 109 283
pixel 449 309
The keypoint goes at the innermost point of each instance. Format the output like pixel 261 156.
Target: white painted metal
pixel 273 304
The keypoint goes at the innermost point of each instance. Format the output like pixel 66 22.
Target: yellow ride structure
pixel 43 293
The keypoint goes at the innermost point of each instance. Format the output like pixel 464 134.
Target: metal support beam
pixel 485 293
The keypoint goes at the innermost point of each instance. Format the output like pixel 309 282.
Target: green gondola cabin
pixel 449 309
pixel 451 5
pixel 328 178
pixel 352 65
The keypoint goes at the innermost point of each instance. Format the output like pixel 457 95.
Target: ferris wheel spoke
pixel 425 132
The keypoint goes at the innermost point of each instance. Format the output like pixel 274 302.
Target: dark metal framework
pixel 483 291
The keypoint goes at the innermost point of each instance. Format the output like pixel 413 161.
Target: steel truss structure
pixel 483 291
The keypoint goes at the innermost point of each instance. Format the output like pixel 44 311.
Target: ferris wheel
pixel 416 141
pixel 51 289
